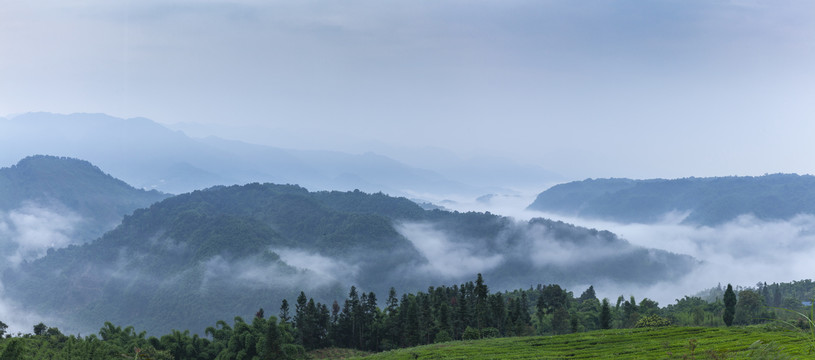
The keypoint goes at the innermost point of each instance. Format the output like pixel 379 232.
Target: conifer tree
pixel 605 315
pixel 729 305
pixel 284 311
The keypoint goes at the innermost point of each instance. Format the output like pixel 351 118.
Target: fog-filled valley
pixel 231 249
pixel 270 241
pixel 257 180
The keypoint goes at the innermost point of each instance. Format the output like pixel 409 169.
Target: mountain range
pixel 151 156
pixel 227 250
pixel 701 201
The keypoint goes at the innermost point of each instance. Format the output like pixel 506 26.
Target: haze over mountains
pixel 700 201
pixel 661 238
pixel 148 155
pixel 50 202
pixel 232 249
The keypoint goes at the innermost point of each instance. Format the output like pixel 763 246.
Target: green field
pixel 652 343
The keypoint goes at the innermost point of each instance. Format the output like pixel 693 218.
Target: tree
pixel 588 294
pixel 749 308
pixel 269 346
pixel 300 316
pixel 481 292
pixel 3 328
pixel 631 312
pixel 605 315
pixel 552 297
pixel 560 321
pixel 14 350
pixel 284 311
pixel 39 329
pixel 729 305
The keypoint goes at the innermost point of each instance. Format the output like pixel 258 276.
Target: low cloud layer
pixel 17 319
pixel 26 233
pixel 744 251
pixel 445 257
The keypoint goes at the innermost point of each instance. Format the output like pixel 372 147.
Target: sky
pixel 637 89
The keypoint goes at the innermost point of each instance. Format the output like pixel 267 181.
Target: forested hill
pixel 224 251
pixel 707 201
pixel 45 187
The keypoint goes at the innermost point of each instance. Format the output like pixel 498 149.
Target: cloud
pixel 29 231
pixel 743 252
pixel 299 270
pixel 17 319
pixel 545 249
pixel 447 257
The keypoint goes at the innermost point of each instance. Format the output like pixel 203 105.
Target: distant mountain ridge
pixel 232 249
pixel 71 185
pixel 151 156
pixel 707 201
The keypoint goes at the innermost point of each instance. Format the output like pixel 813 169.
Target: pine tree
pixel 729 305
pixel 605 315
pixel 481 293
pixel 284 311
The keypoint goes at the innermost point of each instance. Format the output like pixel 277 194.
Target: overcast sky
pixel 584 88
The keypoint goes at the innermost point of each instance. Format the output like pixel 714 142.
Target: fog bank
pixel 743 252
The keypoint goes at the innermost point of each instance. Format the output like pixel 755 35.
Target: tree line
pixel 445 313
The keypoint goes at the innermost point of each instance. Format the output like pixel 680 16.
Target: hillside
pixel 706 201
pixel 647 343
pixel 230 250
pixel 56 201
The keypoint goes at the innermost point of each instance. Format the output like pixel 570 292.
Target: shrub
pixel 490 332
pixel 442 336
pixel 471 334
pixel 652 321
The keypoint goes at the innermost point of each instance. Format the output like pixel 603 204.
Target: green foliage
pixel 750 308
pixel 490 332
pixel 729 305
pixel 605 315
pixel 767 351
pixel 652 321
pixel 471 333
pixel 14 349
pixel 442 336
pixel 647 343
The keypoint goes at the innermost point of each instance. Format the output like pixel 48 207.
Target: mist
pixel 26 233
pixel 30 230
pixel 743 252
pixel 447 258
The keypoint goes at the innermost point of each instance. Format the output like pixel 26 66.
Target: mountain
pixel 215 253
pixel 148 155
pixel 706 201
pixel 48 201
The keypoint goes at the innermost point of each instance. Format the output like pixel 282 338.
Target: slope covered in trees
pixel 233 249
pixel 707 201
pixel 48 201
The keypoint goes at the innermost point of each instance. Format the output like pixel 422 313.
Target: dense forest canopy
pixel 228 249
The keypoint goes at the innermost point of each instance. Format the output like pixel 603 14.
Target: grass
pixel 653 343
pixel 336 353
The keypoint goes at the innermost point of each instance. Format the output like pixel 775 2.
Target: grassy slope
pixel 659 343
